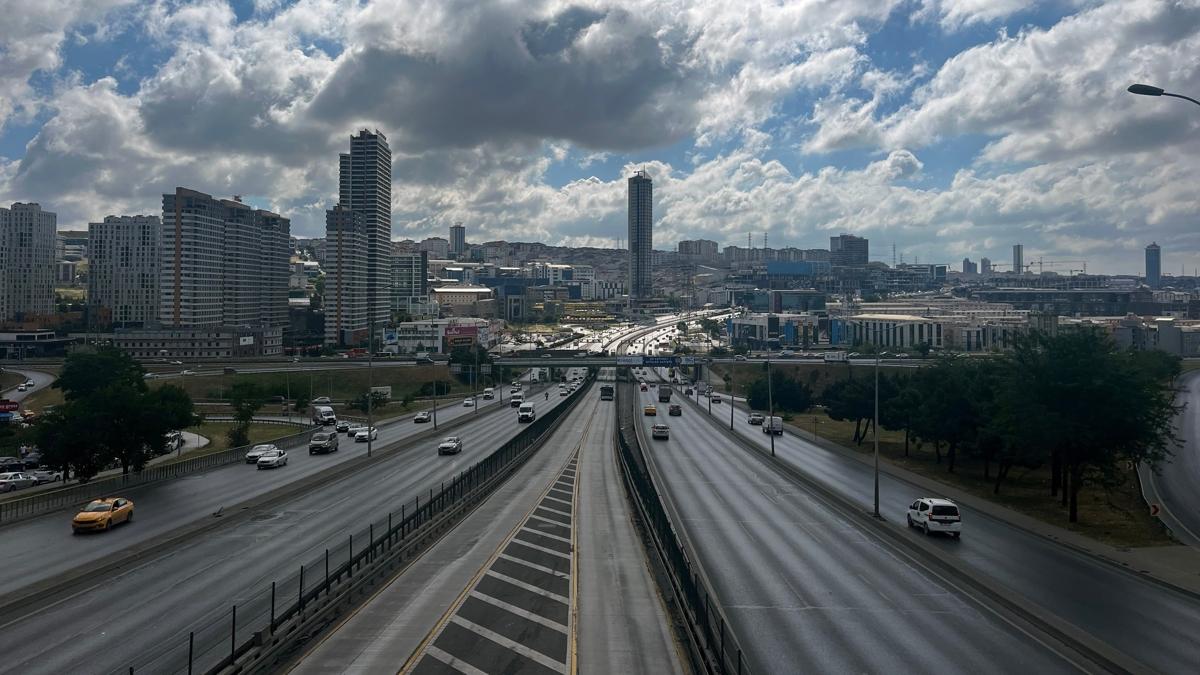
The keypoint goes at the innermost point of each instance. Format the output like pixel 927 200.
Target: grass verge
pixel 217 435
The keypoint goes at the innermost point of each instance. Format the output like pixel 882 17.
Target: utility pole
pixel 876 431
pixel 370 383
pixel 770 403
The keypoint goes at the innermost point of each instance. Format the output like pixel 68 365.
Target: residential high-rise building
pixel 969 267
pixel 365 186
pixel 847 250
pixel 410 283
pixel 1153 265
pixel 26 261
pixel 71 245
pixel 985 265
pixel 698 250
pixel 346 242
pixel 641 235
pixel 1018 259
pixel 458 239
pixel 123 271
pixel 223 263
pixel 438 248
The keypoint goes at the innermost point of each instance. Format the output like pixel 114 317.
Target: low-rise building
pixel 196 342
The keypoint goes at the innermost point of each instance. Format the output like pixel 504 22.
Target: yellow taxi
pixel 650 411
pixel 102 514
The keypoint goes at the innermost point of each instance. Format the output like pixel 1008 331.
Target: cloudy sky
pixel 948 128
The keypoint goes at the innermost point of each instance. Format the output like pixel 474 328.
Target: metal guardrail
pixel 35 505
pixel 274 613
pixel 698 604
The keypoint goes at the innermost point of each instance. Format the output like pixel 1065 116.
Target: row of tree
pixel 1073 401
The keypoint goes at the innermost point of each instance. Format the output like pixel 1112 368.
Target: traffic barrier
pixel 247 635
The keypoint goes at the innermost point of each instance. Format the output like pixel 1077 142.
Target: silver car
pixel 16 481
pixel 272 459
pixel 258 451
pixel 450 445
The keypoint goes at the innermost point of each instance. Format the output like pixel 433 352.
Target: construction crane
pixel 1042 264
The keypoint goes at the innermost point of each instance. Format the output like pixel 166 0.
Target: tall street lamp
pixel 771 405
pixel 1149 90
pixel 876 431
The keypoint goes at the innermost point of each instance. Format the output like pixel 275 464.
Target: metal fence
pixel 225 634
pixel 698 604
pixel 34 505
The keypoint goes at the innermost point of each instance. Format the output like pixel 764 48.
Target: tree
pixel 85 373
pixel 377 399
pixel 899 411
pixel 790 395
pixel 245 398
pixel 847 400
pixel 682 327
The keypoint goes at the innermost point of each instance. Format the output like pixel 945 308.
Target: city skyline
pixel 784 121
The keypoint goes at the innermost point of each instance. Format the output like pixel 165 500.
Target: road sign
pixel 687 360
pixel 8 406
pixel 658 361
pixel 629 360
pixel 1154 509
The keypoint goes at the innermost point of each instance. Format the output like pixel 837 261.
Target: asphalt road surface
pixel 43 547
pixel 1146 620
pixel 1177 485
pixel 806 591
pixel 149 609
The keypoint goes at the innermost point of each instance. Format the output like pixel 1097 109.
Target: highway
pixel 805 589
pixel 151 606
pixel 40 548
pixel 1177 486
pixel 1146 620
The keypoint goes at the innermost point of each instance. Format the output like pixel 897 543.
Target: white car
pixel 660 431
pixel 22 387
pixel 755 418
pixel 364 434
pixel 563 392
pixel 258 451
pixel 468 403
pixel 273 459
pixel 422 417
pixel 450 445
pixel 188 372
pixel 321 400
pixel 933 514
pixel 16 481
pixel 353 431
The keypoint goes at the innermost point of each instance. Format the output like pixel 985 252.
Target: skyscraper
pixel 410 283
pixel 123 276
pixel 346 244
pixel 847 250
pixel 1018 259
pixel 969 267
pixel 26 261
pixel 1153 265
pixel 365 186
pixel 985 265
pixel 458 239
pixel 641 235
pixel 222 263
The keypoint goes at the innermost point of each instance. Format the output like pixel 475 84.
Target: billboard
pixel 246 341
pixel 390 338
pixel 658 361
pixel 462 331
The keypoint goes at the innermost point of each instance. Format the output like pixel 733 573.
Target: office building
pixel 847 250
pixel 458 239
pixel 1153 265
pixel 641 235
pixel 1018 259
pixel 985 265
pixel 26 262
pixel 346 286
pixel 123 271
pixel 410 284
pixel 222 263
pixel 365 187
pixel 969 267
pixel 71 245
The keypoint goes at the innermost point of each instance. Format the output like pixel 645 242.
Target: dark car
pixel 323 442
pixel 674 410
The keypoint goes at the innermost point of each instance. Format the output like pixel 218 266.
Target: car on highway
pixel 716 398
pixel 933 514
pixel 353 430
pixel 675 410
pixel 46 476
pixel 755 418
pixel 660 432
pixel 321 400
pixel 688 392
pixel 468 403
pixel 16 480
pixel 257 451
pixel 364 434
pixel 188 372
pixel 422 417
pixel 29 383
pixel 489 394
pixel 740 357
pixel 563 392
pixel 273 459
pixel 323 442
pixel 102 514
pixel 450 445
pixel 786 354
pixel 643 387
pixel 342 426
pixel 545 356
pixel 650 411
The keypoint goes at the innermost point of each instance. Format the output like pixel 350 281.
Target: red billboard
pixel 8 406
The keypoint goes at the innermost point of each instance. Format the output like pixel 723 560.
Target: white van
pixel 489 394
pixel 773 425
pixel 323 415
pixel 525 413
pixel 516 399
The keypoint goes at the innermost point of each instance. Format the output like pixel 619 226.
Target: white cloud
pixel 955 14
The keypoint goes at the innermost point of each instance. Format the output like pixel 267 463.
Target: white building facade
pixel 27 243
pixel 123 271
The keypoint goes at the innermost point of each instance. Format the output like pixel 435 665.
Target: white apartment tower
pixel 27 241
pixel 123 275
pixel 223 263
pixel 365 187
pixel 346 294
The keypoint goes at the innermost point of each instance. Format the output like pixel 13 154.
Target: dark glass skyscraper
pixel 641 235
pixel 365 187
pixel 1153 265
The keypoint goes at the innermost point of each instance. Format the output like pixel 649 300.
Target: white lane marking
pixel 529 587
pixel 552 510
pixel 543 549
pixel 531 654
pixel 453 662
pixel 547 520
pixel 527 528
pixel 523 613
pixel 540 568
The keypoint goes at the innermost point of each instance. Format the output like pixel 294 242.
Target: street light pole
pixel 876 431
pixel 370 382
pixel 771 405
pixel 1149 90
